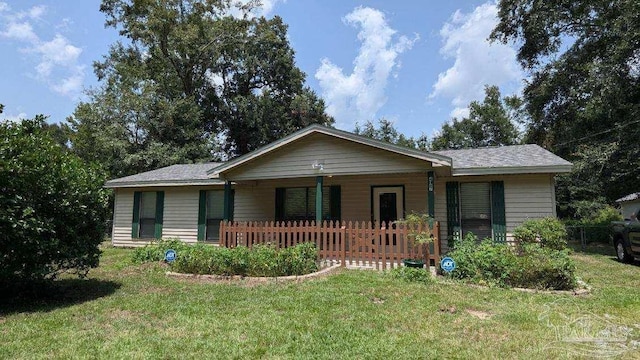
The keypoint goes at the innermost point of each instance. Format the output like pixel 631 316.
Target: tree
pixel 187 78
pixel 489 124
pixel 387 132
pixel 584 92
pixel 52 206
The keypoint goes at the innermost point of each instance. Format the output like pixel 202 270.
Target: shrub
pixel 261 260
pixel 529 265
pixel 409 274
pixel 52 206
pixel 298 260
pixel 155 250
pixel 196 259
pixel 549 232
pixel 487 262
pixel 538 267
pixel 598 224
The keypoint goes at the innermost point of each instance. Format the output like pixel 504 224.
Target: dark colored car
pixel 626 239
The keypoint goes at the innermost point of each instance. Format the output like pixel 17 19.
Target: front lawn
pixel 135 311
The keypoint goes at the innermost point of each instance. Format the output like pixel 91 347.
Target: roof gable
pixel 340 134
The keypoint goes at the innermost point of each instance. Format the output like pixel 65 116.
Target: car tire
pixel 621 252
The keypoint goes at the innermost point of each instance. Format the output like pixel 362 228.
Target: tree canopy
pixel 583 97
pixel 190 82
pixel 387 132
pixel 489 124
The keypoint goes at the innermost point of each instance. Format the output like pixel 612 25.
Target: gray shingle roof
pixel 515 159
pixel 181 174
pixel 629 197
pixel 519 158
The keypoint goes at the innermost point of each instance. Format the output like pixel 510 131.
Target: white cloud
pixel 20 31
pixel 359 95
pixel 477 61
pixel 57 59
pixel 58 51
pixel 36 12
pixel 4 6
pixel 13 118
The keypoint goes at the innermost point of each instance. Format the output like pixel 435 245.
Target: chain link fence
pixel 587 234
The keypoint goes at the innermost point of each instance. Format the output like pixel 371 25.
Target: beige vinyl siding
pixel 256 200
pixel 526 197
pixel 122 218
pixel 180 218
pixel 340 157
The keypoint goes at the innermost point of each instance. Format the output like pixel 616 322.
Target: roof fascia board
pixel 157 183
pixel 553 169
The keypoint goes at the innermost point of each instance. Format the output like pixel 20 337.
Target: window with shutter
pixel 475 209
pixel 147 215
pixel 215 214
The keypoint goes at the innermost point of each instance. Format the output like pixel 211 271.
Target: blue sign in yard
pixel 170 255
pixel 447 264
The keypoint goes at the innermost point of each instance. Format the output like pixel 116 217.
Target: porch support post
pixel 431 198
pixel 226 211
pixel 319 200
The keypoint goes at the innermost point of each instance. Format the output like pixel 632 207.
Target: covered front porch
pixel 342 191
pixel 351 218
pixel 352 244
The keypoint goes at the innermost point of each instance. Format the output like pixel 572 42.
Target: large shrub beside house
pixel 52 206
pixel 538 259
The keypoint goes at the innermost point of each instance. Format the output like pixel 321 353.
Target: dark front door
pixel 388 208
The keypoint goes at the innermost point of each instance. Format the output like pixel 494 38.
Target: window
pixel 475 209
pixel 211 213
pixel 148 207
pixel 214 214
pixel 478 208
pixel 299 203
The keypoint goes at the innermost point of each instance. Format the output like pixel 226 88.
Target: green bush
pixel 598 224
pixel 298 260
pixel 528 265
pixel 261 260
pixel 156 249
pixel 409 274
pixel 52 206
pixel 487 262
pixel 538 267
pixel 549 232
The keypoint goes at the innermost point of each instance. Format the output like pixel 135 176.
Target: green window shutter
pixel 202 215
pixel 135 223
pixel 159 214
pixel 498 217
pixel 280 194
pixel 335 201
pixel 232 204
pixel 453 212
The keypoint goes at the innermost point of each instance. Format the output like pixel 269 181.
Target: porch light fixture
pixel 318 165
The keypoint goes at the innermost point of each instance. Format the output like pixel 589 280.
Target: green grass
pixel 135 311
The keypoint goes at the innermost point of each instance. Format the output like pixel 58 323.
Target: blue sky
pixel 417 63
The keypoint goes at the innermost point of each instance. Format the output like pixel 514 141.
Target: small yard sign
pixel 447 264
pixel 170 255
